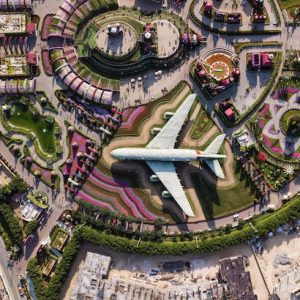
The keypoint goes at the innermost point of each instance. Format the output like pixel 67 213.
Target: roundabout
pixel 220 65
pixel 219 70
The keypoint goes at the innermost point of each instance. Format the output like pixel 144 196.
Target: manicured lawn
pixel 60 239
pixel 220 202
pixel 289 122
pixel 285 4
pixel 202 124
pixel 24 119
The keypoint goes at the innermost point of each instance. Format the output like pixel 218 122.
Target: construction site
pixel 98 276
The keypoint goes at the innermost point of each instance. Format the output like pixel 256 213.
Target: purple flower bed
pixel 118 190
pixel 132 117
pixel 135 204
pixel 280 92
pixel 91 200
pixel 264 109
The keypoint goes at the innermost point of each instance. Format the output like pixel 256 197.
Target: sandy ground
pixel 126 266
pixel 279 245
pixel 168 38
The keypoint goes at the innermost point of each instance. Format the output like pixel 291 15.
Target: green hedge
pixel 31 227
pixel 263 223
pixel 34 271
pixel 12 222
pixel 17 185
pixel 238 47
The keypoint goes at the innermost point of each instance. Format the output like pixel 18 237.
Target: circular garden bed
pixel 290 123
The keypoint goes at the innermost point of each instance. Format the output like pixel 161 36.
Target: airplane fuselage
pixel 151 154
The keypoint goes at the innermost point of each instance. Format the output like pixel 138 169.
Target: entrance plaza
pixel 116 39
pixel 168 38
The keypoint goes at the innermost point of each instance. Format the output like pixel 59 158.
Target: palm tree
pixel 288 170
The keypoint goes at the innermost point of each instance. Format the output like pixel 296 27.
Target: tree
pixel 18 185
pixel 31 227
pixel 262 156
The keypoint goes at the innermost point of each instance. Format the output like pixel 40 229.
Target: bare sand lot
pixel 281 255
pixel 203 267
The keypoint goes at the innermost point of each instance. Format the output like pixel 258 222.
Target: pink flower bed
pixel 296 155
pixel 267 141
pixel 140 204
pixel 133 116
pixel 91 200
pixel 278 94
pixel 126 113
pixel 135 204
pixel 118 190
pixel 261 123
pixel 277 150
pixel 110 200
pixel 264 109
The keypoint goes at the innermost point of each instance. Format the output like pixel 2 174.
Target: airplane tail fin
pixel 214 148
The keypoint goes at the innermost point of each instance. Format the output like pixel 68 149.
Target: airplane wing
pixel 167 174
pixel 166 138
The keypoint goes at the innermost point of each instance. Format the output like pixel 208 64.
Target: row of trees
pixel 12 223
pixel 17 185
pixel 34 271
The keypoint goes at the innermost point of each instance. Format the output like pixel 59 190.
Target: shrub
pixel 12 222
pixel 17 185
pixel 31 227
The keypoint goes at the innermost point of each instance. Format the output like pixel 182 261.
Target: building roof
pixel 232 270
pixel 31 28
pixel 96 266
pixel 229 112
pixel 32 58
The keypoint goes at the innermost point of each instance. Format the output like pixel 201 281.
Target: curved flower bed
pixel 134 205
pixel 281 92
pixel 130 116
pixel 93 201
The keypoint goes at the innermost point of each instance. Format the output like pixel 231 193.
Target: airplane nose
pixel 117 153
pixel 114 153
